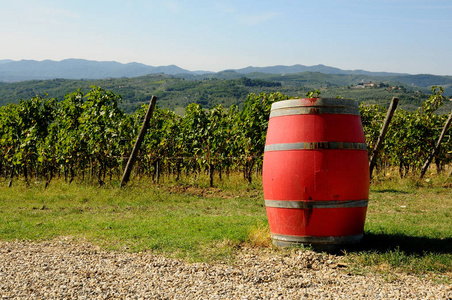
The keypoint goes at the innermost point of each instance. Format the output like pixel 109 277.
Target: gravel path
pixel 64 269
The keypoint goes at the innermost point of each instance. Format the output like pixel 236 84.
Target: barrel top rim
pixel 314 102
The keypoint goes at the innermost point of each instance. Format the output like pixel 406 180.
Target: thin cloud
pixel 174 7
pixel 225 7
pixel 255 19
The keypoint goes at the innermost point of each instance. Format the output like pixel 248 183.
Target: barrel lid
pixel 315 102
pixel 315 106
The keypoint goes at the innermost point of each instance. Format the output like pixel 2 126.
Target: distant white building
pixel 363 85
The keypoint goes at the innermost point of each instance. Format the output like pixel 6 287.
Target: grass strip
pixel 408 226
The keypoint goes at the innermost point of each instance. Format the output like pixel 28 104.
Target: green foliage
pixel 252 127
pixel 411 135
pixel 63 146
pixel 259 82
pixel 434 102
pixel 43 137
pixel 313 94
pixel 211 90
pixel 88 136
pixel 24 128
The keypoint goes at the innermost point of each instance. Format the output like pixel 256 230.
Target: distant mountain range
pixel 11 71
pixel 16 71
pixel 317 68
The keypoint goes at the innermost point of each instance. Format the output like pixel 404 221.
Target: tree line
pixel 176 93
pixel 88 137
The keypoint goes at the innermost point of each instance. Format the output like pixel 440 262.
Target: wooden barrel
pixel 316 173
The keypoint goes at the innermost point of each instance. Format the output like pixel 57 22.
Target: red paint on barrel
pixel 320 175
pixel 321 222
pixel 314 128
pixel 316 174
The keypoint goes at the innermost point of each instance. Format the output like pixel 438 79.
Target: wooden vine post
pixel 436 149
pixel 381 137
pixel 136 147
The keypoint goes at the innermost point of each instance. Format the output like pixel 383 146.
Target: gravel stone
pixel 63 269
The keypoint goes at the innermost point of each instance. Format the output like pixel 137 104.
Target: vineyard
pixel 88 137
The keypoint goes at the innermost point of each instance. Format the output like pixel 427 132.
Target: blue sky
pixel 407 36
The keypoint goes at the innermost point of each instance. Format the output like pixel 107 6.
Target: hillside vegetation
pixel 228 88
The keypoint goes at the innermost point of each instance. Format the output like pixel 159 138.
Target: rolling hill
pixel 12 71
pixel 177 87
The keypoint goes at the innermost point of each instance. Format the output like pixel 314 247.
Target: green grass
pixel 408 226
pixel 167 219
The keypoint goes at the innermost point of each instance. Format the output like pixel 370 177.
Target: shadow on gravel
pixel 408 244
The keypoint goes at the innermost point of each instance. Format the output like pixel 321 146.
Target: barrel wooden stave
pixel 312 222
pixel 319 175
pixel 316 171
pixel 314 128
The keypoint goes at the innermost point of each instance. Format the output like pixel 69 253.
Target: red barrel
pixel 316 172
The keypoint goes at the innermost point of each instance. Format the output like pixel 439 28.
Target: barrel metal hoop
pixel 316 145
pixel 315 110
pixel 314 102
pixel 307 204
pixel 348 239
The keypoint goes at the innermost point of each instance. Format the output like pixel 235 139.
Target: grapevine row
pixel 89 137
